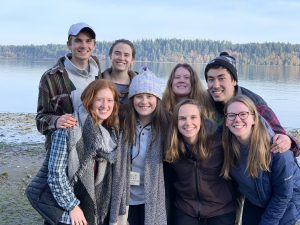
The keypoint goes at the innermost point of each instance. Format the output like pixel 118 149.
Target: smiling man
pixel 222 82
pixel 61 86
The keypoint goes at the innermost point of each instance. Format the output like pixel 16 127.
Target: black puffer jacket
pixel 40 195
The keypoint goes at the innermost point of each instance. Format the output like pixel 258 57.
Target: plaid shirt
pixel 54 97
pixel 265 111
pixel 58 180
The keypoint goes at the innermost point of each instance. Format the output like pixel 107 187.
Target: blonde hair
pixel 174 145
pixel 259 156
pixel 198 92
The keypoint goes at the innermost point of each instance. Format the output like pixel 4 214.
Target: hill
pixel 174 50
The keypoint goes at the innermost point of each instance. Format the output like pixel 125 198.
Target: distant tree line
pixel 174 50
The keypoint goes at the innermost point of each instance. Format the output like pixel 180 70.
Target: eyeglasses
pixel 242 115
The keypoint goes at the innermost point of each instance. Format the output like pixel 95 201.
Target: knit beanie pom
pixel 146 82
pixel 224 60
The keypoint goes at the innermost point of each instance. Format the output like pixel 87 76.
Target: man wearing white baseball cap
pixel 81 27
pixel 61 86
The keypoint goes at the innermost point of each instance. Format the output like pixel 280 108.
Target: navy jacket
pixel 278 190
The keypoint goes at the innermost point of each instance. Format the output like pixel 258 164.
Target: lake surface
pixel 279 86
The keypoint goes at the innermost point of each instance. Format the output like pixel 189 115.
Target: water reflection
pixel 278 85
pixel 283 74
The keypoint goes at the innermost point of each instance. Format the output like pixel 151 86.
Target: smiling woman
pixel 240 121
pixel 184 83
pixel 269 181
pixel 194 154
pixel 122 56
pixel 142 154
pixel 189 122
pixel 77 171
pixel 100 99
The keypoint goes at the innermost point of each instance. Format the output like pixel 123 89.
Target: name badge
pixel 134 178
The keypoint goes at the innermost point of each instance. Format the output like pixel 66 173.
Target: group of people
pixel 121 150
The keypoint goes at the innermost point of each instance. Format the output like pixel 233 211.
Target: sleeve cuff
pixel 73 204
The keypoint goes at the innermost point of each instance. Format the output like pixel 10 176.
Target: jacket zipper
pixel 197 185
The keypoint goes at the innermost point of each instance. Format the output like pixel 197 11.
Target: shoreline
pixel 18 128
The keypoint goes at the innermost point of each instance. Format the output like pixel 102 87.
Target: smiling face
pixel 241 128
pixel 103 104
pixel 220 84
pixel 144 104
pixel 189 122
pixel 181 84
pixel 121 57
pixel 82 47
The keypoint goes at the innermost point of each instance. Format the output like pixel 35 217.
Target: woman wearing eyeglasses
pixel 269 181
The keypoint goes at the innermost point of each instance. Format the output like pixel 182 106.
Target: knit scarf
pixel 88 144
pixel 155 208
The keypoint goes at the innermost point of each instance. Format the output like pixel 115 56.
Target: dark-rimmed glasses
pixel 242 115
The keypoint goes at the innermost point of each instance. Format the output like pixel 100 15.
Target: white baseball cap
pixel 76 28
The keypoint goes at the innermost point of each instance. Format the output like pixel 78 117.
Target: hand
pixel 77 217
pixel 66 121
pixel 281 143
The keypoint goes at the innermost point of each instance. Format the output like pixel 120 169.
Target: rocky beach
pixel 21 155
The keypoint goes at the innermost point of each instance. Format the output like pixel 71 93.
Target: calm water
pixel 279 86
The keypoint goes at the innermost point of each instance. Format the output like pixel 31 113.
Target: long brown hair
pixel 198 91
pixel 158 122
pixel 174 145
pixel 88 97
pixel 259 156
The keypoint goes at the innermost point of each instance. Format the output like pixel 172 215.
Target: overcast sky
pixel 47 21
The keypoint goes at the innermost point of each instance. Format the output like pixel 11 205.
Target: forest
pixel 174 50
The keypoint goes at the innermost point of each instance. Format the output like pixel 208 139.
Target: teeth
pixel 238 126
pixel 144 107
pixel 217 92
